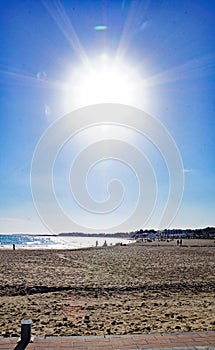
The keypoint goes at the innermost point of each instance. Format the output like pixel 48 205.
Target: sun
pixel 103 81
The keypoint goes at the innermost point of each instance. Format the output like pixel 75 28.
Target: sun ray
pixel 134 19
pixel 20 78
pixel 199 66
pixel 59 15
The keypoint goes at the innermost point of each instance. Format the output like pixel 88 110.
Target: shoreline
pixel 187 243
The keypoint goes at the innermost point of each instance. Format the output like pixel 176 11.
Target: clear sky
pixel 159 56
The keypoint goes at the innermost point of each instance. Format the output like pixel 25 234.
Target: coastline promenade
pixel 188 340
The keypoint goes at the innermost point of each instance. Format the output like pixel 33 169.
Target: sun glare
pixel 104 81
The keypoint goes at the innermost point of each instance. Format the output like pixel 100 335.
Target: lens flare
pixel 100 27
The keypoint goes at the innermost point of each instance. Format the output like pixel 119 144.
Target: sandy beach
pixel 142 288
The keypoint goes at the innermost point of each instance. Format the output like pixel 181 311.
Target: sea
pixel 29 241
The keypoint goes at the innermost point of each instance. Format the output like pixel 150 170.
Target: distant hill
pixel 208 232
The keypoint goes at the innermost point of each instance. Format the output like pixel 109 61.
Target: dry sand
pixel 114 290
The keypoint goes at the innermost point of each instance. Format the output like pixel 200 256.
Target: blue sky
pixel 168 46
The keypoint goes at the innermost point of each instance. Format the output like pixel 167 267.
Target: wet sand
pixel 115 290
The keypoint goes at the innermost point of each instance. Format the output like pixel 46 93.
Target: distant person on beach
pixel 180 242
pixel 14 247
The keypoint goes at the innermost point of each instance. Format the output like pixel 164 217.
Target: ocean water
pixel 28 241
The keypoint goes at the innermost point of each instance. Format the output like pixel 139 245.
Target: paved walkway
pixel 190 341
